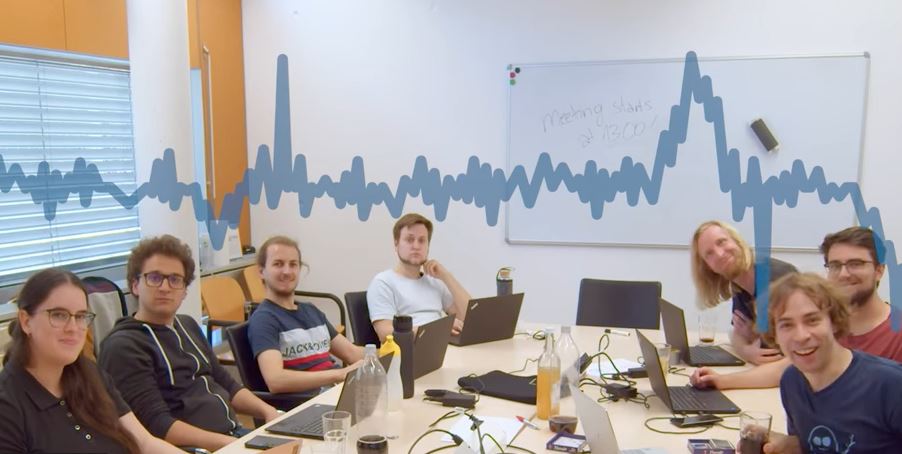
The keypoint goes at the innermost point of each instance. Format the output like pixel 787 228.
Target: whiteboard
pixel 608 112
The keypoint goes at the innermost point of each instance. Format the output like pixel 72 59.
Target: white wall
pixel 393 80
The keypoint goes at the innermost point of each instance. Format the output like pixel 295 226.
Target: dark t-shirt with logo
pixel 303 336
pixel 860 412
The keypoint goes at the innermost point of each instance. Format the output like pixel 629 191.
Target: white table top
pixel 627 417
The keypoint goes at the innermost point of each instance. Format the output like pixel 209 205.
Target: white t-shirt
pixel 424 299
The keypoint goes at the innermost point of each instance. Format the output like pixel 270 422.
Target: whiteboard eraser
pixel 764 135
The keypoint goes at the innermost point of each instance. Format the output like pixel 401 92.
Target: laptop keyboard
pixel 707 354
pixel 685 398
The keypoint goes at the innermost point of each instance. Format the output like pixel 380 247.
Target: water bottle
pixel 504 281
pixel 548 380
pixel 569 354
pixel 395 389
pixel 403 334
pixel 370 399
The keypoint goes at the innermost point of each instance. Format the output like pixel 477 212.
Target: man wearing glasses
pixel 853 264
pixel 161 363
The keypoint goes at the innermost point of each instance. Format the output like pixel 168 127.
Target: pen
pixel 618 332
pixel 527 423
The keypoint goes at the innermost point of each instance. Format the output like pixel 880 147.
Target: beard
pixel 735 269
pixel 413 262
pixel 860 297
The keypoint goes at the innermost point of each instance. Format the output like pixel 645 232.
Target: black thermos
pixel 504 281
pixel 403 333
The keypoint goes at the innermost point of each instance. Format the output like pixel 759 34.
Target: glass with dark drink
pixel 372 444
pixel 754 430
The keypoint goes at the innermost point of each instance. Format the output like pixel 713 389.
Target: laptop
pixel 308 423
pixel 430 345
pixel 698 355
pixel 489 319
pixel 597 426
pixel 681 399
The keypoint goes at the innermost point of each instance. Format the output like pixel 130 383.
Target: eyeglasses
pixel 853 266
pixel 59 318
pixel 154 279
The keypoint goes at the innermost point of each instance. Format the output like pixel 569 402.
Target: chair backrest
pixel 253 284
pixel 105 299
pixel 330 304
pixel 222 298
pixel 620 304
pixel 244 357
pixel 359 313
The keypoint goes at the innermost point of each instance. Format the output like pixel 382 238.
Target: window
pixel 56 107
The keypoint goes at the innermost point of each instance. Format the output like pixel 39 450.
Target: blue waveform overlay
pixel 276 173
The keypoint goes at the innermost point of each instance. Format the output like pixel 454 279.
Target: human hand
pixel 434 268
pixel 344 371
pixel 457 327
pixel 270 413
pixel 704 377
pixel 744 327
pixel 782 444
pixel 755 354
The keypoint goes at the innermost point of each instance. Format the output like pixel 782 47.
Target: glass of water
pixel 336 425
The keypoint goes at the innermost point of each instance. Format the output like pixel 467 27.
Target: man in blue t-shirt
pixel 293 342
pixel 836 400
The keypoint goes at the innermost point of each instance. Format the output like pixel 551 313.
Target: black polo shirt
pixel 34 421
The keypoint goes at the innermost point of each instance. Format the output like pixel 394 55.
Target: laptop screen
pixel 653 367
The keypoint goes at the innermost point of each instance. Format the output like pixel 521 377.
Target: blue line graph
pixel 274 174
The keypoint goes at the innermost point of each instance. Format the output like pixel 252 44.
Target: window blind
pixel 53 110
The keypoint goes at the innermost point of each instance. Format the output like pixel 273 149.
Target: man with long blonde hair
pixel 723 267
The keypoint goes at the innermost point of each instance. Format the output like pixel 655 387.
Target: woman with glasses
pixel 52 398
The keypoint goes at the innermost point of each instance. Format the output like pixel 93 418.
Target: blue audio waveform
pixel 274 174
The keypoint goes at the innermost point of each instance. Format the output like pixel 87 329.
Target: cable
pixel 456 438
pixel 525 365
pixel 686 432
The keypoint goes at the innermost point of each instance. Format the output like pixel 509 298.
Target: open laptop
pixel 430 345
pixel 698 355
pixel 308 423
pixel 681 399
pixel 489 319
pixel 597 426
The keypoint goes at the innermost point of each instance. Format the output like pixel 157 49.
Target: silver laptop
pixel 597 426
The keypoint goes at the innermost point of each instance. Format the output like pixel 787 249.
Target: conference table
pixel 628 418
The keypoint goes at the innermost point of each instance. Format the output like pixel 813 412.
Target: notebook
pixel 681 399
pixel 489 319
pixel 698 355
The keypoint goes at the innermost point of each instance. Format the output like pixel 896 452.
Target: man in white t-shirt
pixel 416 286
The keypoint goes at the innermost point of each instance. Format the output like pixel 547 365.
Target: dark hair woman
pixel 52 398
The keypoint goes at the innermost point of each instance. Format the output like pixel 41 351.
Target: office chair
pixel 361 325
pixel 251 376
pixel 619 304
pixel 253 284
pixel 223 301
pixel 106 300
pixel 330 304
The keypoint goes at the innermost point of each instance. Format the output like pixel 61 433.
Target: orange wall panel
pixel 33 23
pixel 221 33
pixel 97 27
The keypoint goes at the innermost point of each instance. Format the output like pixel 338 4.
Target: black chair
pixel 361 325
pixel 321 297
pixel 251 376
pixel 619 304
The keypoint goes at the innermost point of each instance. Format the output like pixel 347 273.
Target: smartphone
pixel 265 442
pixel 694 421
